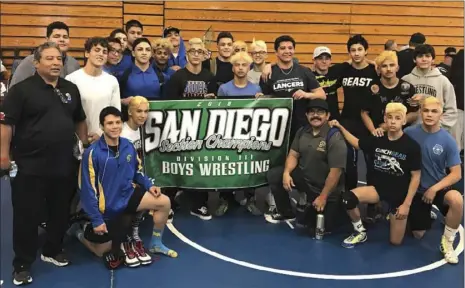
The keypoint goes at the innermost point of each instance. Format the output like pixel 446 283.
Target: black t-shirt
pixel 330 84
pixel 378 96
pixel 406 63
pixel 284 83
pixel 393 162
pixel 44 121
pixel 186 85
pixel 355 83
pixel 444 69
pixel 224 72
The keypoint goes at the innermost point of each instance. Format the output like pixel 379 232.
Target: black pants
pixel 198 198
pixel 26 195
pixel 333 211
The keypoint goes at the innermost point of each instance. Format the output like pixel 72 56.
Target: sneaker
pixel 141 253
pixel 59 260
pixel 447 249
pixel 222 208
pixel 113 261
pixel 22 278
pixel 202 213
pixel 252 208
pixel 278 218
pixel 170 216
pixel 354 239
pixel 130 258
pixel 271 210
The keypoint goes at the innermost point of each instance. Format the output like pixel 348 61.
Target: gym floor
pixel 241 250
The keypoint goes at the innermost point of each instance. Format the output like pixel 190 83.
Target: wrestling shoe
pixel 354 239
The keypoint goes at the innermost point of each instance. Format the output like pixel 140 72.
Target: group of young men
pixel 53 106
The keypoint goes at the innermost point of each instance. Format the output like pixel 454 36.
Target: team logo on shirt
pixel 128 158
pixel 321 146
pixel 404 87
pixel 374 89
pixel 437 149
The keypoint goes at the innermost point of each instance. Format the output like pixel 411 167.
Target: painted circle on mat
pixel 459 249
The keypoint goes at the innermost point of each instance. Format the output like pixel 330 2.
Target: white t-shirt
pixel 96 94
pixel 133 136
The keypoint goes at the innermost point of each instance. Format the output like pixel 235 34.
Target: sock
pixel 135 226
pixel 449 233
pixel 358 226
pixel 156 246
pixel 270 200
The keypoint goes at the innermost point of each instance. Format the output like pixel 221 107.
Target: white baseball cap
pixel 321 50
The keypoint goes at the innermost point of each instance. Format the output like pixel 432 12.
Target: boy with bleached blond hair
pixel 259 53
pixel 396 166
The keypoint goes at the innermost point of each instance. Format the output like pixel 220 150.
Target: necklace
pixel 292 68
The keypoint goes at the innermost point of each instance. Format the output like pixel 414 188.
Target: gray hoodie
pixel 435 84
pixel 26 69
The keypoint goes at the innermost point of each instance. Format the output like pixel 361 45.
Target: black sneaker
pixel 278 218
pixel 202 213
pixel 22 278
pixel 59 260
pixel 113 260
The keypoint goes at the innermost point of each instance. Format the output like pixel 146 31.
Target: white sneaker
pixel 447 249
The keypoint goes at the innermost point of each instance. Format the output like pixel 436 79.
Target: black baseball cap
pixel 317 103
pixel 169 30
pixel 450 51
pixel 418 38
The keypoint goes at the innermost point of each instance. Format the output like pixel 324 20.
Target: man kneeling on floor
pixel 439 153
pixel 315 165
pixel 109 168
pixel 396 175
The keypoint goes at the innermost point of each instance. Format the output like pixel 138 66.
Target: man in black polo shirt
pixel 406 59
pixel 315 165
pixel 45 111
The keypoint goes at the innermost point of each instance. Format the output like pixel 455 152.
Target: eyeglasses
pixel 64 99
pixel 317 112
pixel 114 51
pixel 193 52
pixel 261 53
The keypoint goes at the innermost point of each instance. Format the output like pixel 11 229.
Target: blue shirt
pixel 229 89
pixel 142 83
pixel 118 69
pixel 438 152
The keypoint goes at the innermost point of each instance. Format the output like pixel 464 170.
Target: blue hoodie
pixel 106 179
pixel 181 59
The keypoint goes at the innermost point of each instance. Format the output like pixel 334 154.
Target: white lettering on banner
pixel 234 168
pixel 232 129
pixel 177 168
pixel 242 124
pixel 190 125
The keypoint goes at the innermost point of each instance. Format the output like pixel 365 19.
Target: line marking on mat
pixel 429 267
pixel 289 224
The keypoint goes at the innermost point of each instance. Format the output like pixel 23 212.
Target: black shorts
pixel 420 212
pixel 393 198
pixel 116 223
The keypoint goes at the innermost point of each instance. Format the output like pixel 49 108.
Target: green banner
pixel 216 143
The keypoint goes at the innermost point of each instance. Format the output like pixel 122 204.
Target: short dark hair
pixel 423 49
pixel 56 25
pixel 95 41
pixel 417 39
pixel 109 110
pixel 116 31
pixel 224 34
pixel 113 40
pixel 140 40
pixel 450 50
pixel 388 45
pixel 134 23
pixel 283 38
pixel 357 39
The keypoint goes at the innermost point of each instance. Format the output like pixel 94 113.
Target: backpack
pixel 350 149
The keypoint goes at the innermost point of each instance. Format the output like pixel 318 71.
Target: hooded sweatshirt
pixel 433 83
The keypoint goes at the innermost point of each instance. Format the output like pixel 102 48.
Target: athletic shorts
pixel 420 212
pixel 393 198
pixel 116 223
